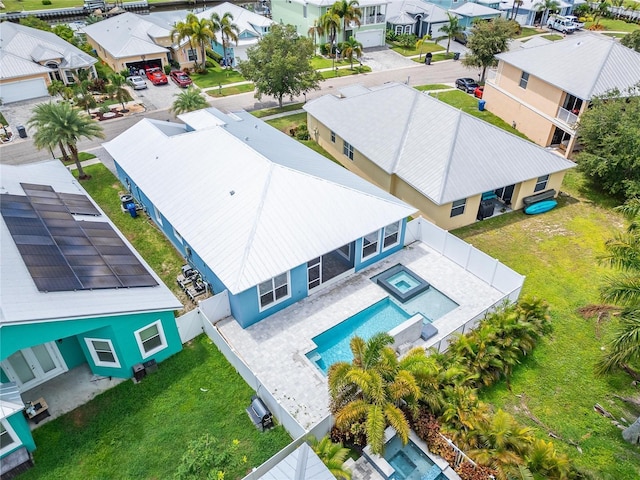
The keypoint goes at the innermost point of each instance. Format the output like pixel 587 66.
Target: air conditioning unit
pixel 138 372
pixel 150 367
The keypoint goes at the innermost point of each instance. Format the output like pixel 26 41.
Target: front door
pixel 32 366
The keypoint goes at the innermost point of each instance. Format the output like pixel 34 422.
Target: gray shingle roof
pixel 587 65
pixel 442 152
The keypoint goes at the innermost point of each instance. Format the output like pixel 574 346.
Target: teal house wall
pixel 23 432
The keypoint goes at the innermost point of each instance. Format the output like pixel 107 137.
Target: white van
pixel 561 24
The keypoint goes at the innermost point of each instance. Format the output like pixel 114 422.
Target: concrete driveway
pixel 157 97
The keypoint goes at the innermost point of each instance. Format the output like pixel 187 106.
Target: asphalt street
pixel 23 151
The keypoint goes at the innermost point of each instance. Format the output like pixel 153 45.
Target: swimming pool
pixel 431 304
pixel 409 461
pixel 333 344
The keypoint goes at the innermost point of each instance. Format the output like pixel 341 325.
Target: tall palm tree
pixel 600 11
pixel 546 7
pixel 514 9
pixel 350 48
pixel 315 31
pixel 371 390
pixel 349 12
pixel 61 123
pixel 188 101
pixel 116 86
pixel 227 29
pixel 333 456
pixel 331 23
pixel 202 34
pixel 451 29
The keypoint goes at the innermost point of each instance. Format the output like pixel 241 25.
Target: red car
pixel 156 76
pixel 182 79
pixel 478 92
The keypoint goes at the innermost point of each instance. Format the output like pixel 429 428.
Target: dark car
pixel 466 84
pixel 461 38
pixel 182 79
pixel 478 92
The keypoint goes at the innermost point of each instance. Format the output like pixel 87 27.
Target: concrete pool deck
pixel 275 348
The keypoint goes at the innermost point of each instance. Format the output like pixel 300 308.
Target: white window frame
pixel 347 150
pixel 140 343
pixel 192 55
pixel 177 235
pixel 524 80
pixel 541 183
pixel 365 245
pixel 15 440
pixel 386 235
pixel 398 29
pixel 273 289
pixel 156 214
pixel 458 207
pixel 96 357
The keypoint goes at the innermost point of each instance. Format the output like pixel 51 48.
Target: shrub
pixel 167 69
pixel 355 437
pixel 46 2
pixel 206 457
pixel 216 57
pixel 407 40
pixel 324 48
pixel 210 64
pixel 467 471
pixel 426 426
pixel 391 36
pixel 302 132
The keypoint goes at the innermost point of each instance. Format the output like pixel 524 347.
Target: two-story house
pixel 304 14
pixel 260 215
pixel 542 91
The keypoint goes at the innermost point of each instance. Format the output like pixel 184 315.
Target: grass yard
pixel 265 112
pixel 142 431
pixel 438 57
pixel 154 247
pixel 527 32
pixel 216 76
pixel 615 25
pixel 411 51
pixel 435 86
pixel 3 121
pixel 558 253
pixel 469 104
pixel 236 89
pixel 319 62
pixel 553 37
pixel 82 156
pixel 616 34
pixel 345 72
pixel 20 5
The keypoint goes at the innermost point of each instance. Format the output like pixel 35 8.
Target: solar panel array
pixel 62 253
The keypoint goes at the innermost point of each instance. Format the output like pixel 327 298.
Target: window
pixel 391 235
pixel 407 29
pixel 8 438
pixel 177 235
pixel 398 29
pixel 151 339
pixel 370 244
pixel 157 216
pixel 192 55
pixel 541 183
pixel 102 352
pixel 70 77
pixel 524 79
pixel 347 149
pixel 333 136
pixel 457 207
pixel 274 290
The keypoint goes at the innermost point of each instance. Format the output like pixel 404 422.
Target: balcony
pixel 567 117
pixel 372 19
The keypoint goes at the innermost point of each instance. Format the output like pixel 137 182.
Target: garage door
pixel 372 38
pixel 24 90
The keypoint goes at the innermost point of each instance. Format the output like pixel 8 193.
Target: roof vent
pixel 255 126
pixel 232 193
pixel 246 139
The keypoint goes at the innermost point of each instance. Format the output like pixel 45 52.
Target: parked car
pixel 182 79
pixel 467 84
pixel 478 92
pixel 576 23
pixel 561 24
pixel 137 82
pixel 461 38
pixel 156 76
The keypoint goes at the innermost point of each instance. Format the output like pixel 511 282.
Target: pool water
pixel 431 304
pixel 403 281
pixel 409 461
pixel 333 344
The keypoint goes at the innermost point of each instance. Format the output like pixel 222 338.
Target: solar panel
pixel 63 254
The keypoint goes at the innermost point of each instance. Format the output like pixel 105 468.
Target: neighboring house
pixel 132 40
pixel 16 441
pixel 429 154
pixel 260 215
pixel 474 12
pixel 542 91
pixel 529 13
pixel 31 59
pixel 535 42
pixel 73 291
pixel 417 17
pixel 302 14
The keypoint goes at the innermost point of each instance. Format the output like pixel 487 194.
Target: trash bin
pixel 481 105
pixel 21 131
pixel 427 58
pixel 456 55
pixel 131 207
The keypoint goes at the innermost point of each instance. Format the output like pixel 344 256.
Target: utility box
pixel 150 367
pixel 138 372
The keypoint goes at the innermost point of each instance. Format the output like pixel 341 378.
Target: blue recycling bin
pixel 481 104
pixel 131 207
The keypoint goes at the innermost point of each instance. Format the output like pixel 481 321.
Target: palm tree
pixel 314 31
pixel 451 29
pixel 227 29
pixel 202 34
pixel 350 48
pixel 514 9
pixel 188 101
pixel 348 11
pixel 333 456
pixel 420 43
pixel 60 123
pixel 600 11
pixel 331 23
pixel 543 459
pixel 116 87
pixel 56 88
pixel 546 6
pixel 371 389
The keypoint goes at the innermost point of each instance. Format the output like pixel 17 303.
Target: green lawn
pixel 265 112
pixel 615 35
pixel 236 89
pixel 20 5
pixel 435 86
pixel 216 76
pixel 345 72
pixel 142 431
pixel 154 247
pixel 557 252
pixel 82 156
pixel 615 25
pixel 319 62
pixel 553 37
pixel 468 103
pixel 426 47
pixel 3 121
pixel 438 57
pixel 527 32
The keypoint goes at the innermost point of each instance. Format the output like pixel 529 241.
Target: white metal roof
pixel 302 463
pixel 584 65
pixel 471 9
pixel 251 201
pixel 245 20
pixel 32 45
pixel 21 301
pixel 10 400
pixel 127 35
pixel 442 152
pixel 535 42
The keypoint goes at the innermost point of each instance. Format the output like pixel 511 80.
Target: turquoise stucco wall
pixel 71 352
pixel 23 432
pixel 119 329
